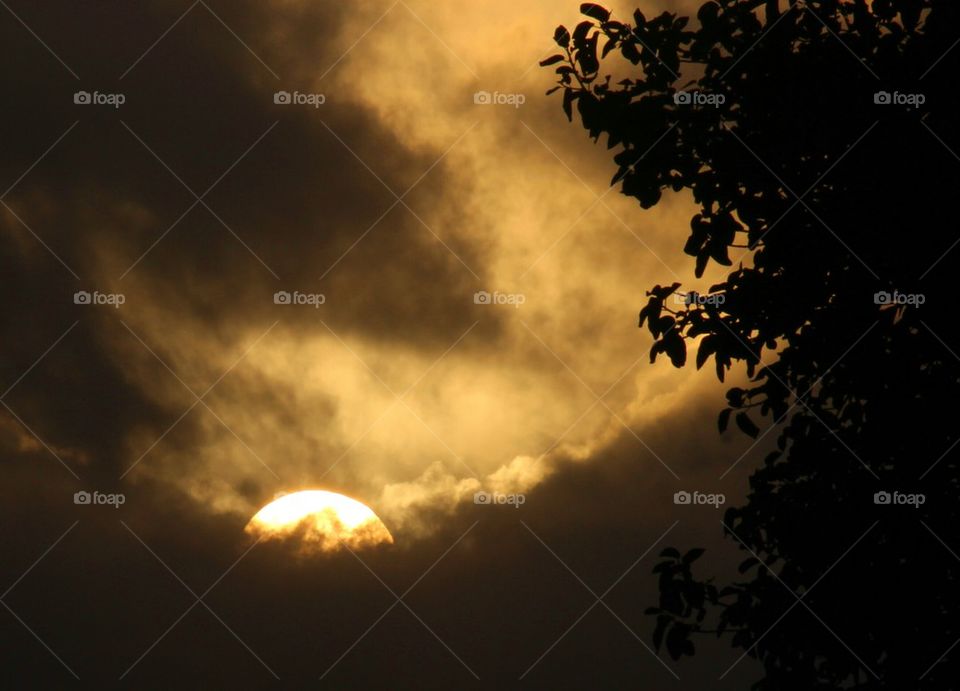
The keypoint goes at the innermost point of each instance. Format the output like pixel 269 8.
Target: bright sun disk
pixel 321 520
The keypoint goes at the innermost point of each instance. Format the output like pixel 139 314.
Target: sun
pixel 321 521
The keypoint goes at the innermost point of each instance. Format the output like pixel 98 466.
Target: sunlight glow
pixel 320 520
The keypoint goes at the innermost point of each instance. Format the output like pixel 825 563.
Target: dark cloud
pixel 100 200
pixel 499 599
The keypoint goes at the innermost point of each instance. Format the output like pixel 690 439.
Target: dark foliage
pixel 818 139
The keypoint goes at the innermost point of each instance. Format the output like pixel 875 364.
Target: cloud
pixel 200 398
pixel 399 387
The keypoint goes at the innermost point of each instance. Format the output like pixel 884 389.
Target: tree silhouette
pixel 818 139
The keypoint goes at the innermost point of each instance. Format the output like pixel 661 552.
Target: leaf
pixel 550 91
pixel 593 10
pixel 748 564
pixel 664 324
pixel 735 397
pixel 724 419
pixel 676 348
pixel 719 252
pixel 630 51
pixel 708 13
pixel 621 172
pixel 569 96
pixel 746 425
pixel 707 348
pixel 580 33
pixel 693 555
pixel 670 553
pixel 644 313
pixel 552 60
pixel 910 15
pixel 655 350
pixel 649 197
pixel 610 45
pixel 702 259
pixel 677 641
pixel 587 55
pixel 562 36
pixel 662 623
pixel 665 291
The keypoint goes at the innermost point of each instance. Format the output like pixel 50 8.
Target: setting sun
pixel 321 520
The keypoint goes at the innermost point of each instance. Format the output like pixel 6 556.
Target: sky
pixel 468 288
